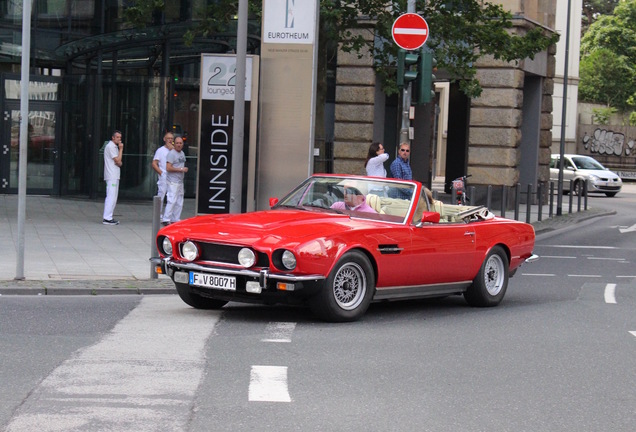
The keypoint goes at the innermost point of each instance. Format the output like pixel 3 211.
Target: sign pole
pixel 24 135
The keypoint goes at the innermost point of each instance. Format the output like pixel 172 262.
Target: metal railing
pixel 528 201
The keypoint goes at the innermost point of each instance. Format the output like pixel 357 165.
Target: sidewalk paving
pixel 69 251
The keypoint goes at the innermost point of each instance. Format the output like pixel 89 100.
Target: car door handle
pixel 469 233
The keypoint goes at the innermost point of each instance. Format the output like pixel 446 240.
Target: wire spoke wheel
pixel 490 284
pixel 349 286
pixel 347 291
pixel 494 275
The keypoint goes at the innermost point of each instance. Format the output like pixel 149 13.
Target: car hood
pixel 599 173
pixel 265 227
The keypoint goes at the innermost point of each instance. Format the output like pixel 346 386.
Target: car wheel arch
pixel 361 249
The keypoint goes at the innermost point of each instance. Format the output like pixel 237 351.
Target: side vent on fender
pixel 389 249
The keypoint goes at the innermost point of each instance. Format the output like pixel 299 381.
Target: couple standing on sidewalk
pixel 169 164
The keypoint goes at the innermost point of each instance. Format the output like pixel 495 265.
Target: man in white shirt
pixel 175 165
pixel 113 153
pixel 159 165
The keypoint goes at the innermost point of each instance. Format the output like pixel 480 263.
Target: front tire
pixel 490 284
pixel 348 290
pixel 196 301
pixel 611 194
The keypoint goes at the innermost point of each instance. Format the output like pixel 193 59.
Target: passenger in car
pixel 353 200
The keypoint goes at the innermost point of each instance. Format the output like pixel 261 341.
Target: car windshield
pixel 584 162
pixel 379 199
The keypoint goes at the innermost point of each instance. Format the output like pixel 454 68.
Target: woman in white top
pixel 375 160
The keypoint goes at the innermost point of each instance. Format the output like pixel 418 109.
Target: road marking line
pixel 580 247
pixel 539 274
pixel 627 276
pixel 582 275
pixel 268 384
pixel 633 333
pixel 610 293
pixel 606 259
pixel 279 332
pixel 557 257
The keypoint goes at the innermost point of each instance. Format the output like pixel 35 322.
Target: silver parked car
pixel 580 168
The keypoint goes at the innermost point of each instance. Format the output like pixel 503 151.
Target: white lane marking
pixel 142 374
pixel 610 293
pixel 627 276
pixel 539 274
pixel 579 247
pixel 606 259
pixel 583 275
pixel 633 333
pixel 557 257
pixel 629 229
pixel 268 384
pixel 279 332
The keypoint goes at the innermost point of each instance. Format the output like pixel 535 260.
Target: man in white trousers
pixel 113 153
pixel 159 165
pixel 175 165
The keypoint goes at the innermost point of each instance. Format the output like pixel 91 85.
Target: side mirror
pixel 430 217
pixel 273 201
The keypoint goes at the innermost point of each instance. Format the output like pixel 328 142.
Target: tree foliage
pixel 461 31
pixel 608 58
pixel 593 9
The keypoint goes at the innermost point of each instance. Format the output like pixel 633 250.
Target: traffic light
pixel 423 88
pixel 406 67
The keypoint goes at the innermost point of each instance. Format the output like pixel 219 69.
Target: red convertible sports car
pixel 336 243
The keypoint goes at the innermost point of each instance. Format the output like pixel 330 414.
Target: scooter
pixel 459 186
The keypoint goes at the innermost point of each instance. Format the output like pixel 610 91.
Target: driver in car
pixel 353 200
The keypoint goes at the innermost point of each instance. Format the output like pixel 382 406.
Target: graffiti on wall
pixel 607 142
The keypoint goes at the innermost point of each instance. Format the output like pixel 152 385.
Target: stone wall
pixel 355 97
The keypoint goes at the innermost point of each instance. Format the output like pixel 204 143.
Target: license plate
pixel 213 281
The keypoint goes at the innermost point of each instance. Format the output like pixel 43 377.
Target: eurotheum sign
pixel 290 22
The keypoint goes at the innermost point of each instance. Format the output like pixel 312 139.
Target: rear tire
pixel 196 301
pixel 490 284
pixel 348 290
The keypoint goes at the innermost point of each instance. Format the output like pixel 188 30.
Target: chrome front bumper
pixel 168 267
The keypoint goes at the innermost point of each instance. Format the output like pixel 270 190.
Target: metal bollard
pixel 489 196
pixel 539 199
pixel 156 213
pixel 571 193
pixel 517 200
pixel 585 189
pixel 504 194
pixel 551 212
pixel 528 202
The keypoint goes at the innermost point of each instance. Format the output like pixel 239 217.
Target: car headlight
pixel 289 260
pixel 166 245
pixel 593 178
pixel 189 251
pixel 246 257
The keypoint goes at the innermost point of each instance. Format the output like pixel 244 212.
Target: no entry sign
pixel 410 31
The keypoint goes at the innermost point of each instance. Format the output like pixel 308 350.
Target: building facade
pixel 91 72
pixel 501 138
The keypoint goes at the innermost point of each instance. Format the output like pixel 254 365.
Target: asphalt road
pixel 557 354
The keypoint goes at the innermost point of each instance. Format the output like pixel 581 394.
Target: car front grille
pixel 228 254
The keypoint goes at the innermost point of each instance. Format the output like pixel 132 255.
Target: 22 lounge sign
pixel 219 76
pixel 218 79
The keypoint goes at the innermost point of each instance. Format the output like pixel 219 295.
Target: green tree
pixel 593 9
pixel 608 58
pixel 607 78
pixel 461 32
